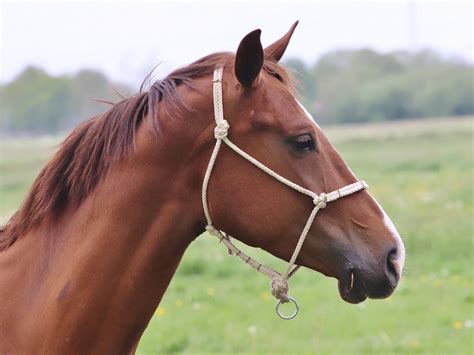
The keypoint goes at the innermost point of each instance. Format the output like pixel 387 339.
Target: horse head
pixel 352 239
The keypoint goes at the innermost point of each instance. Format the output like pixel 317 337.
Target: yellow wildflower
pixel 414 343
pixel 160 311
pixel 457 325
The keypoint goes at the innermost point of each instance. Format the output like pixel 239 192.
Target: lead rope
pixel 279 282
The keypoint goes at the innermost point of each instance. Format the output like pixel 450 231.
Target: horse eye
pixel 303 143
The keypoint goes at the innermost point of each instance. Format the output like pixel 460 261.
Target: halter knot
pixel 321 200
pixel 220 132
pixel 280 288
pixel 212 230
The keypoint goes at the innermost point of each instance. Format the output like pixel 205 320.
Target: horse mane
pixel 92 148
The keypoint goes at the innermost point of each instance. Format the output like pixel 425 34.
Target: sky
pixel 126 40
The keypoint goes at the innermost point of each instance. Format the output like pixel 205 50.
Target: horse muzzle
pixel 356 284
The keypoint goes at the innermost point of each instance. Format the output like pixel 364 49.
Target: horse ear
pixel 277 49
pixel 249 58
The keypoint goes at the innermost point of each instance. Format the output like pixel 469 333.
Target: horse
pixel 88 256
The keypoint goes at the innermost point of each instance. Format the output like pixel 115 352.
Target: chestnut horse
pixel 87 258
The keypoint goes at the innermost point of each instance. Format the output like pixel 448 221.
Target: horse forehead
pixel 283 107
pixel 293 116
pixel 290 110
pixel 308 116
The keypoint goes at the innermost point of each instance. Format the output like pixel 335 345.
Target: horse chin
pixel 351 289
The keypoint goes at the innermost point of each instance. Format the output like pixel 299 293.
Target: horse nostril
pixel 391 268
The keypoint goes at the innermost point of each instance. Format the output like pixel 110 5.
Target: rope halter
pixel 279 281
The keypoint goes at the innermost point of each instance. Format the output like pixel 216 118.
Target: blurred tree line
pixel 363 85
pixel 38 103
pixel 342 86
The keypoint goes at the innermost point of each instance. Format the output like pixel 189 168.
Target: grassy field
pixel 420 171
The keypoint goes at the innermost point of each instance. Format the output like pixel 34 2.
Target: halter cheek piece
pixel 279 282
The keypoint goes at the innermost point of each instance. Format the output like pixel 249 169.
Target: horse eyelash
pixel 300 144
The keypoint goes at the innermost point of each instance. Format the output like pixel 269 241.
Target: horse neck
pixel 109 262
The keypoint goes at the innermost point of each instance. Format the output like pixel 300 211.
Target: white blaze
pixel 306 112
pixel 399 260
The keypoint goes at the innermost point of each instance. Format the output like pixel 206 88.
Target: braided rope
pixel 268 170
pixel 279 282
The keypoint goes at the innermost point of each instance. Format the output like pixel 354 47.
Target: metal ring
pixel 292 315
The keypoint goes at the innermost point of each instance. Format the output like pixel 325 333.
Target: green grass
pixel 421 172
